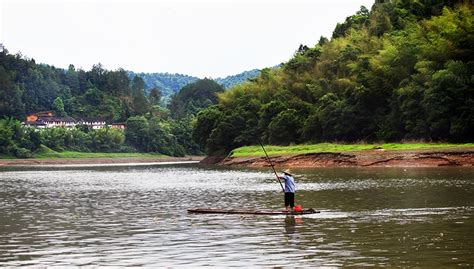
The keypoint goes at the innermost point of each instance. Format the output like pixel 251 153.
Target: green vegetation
pixel 26 87
pixel 254 151
pixel 25 142
pixel 152 129
pixel 194 97
pixel 75 154
pixel 43 152
pixel 170 84
pixel 233 80
pixel 401 71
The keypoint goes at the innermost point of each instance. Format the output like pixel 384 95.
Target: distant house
pixel 35 124
pixel 47 119
pixel 34 117
pixel 118 125
pixel 51 122
pixel 93 122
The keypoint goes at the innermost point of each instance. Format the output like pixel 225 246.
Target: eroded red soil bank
pixel 366 158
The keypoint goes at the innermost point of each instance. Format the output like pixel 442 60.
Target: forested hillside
pixel 403 70
pixel 232 80
pixel 169 84
pixel 194 97
pixel 27 87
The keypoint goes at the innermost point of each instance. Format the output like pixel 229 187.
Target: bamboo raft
pixel 250 211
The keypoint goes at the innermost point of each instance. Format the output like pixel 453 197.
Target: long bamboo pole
pixel 271 164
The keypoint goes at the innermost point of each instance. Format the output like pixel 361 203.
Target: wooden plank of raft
pixel 250 211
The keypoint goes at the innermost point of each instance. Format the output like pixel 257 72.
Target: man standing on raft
pixel 289 189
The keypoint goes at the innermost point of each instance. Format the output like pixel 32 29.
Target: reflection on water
pixel 291 222
pixel 133 216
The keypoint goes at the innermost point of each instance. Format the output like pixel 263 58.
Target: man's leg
pixel 292 201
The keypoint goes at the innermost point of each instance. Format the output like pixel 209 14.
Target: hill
pixel 400 71
pixel 167 83
pixel 233 80
pixel 170 84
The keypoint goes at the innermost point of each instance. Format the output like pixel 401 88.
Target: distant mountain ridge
pixel 232 80
pixel 169 83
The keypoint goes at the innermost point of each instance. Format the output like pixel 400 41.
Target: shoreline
pixel 94 161
pixel 363 158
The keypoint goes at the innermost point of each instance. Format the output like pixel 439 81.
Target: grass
pixel 254 151
pixel 47 153
pixel 74 154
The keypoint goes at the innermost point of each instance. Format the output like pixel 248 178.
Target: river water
pixel 136 216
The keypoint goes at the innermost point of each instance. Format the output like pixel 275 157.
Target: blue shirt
pixel 289 183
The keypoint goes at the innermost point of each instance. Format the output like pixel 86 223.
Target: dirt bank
pixel 27 162
pixel 365 158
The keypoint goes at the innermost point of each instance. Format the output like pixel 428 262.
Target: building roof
pixel 54 119
pixel 34 123
pixel 91 119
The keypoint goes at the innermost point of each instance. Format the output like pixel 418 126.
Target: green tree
pixel 140 104
pixel 449 103
pixel 206 121
pixel 54 138
pixel 58 106
pixel 155 96
pixel 267 113
pixel 6 137
pixel 106 140
pixel 182 130
pixel 194 97
pixel 285 128
pixel 356 21
pixel 72 80
pixel 10 97
pixel 136 132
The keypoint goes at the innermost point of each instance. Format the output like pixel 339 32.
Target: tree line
pixel 401 71
pixel 170 84
pixel 27 87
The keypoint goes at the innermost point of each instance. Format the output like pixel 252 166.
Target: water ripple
pixel 136 216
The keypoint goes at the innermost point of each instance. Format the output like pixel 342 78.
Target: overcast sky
pixel 204 38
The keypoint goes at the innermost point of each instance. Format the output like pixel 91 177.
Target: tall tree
pixel 155 96
pixel 194 97
pixel 140 104
pixel 10 97
pixel 58 106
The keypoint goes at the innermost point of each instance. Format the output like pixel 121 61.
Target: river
pixel 136 216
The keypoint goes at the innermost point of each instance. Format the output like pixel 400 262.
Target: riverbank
pixel 360 158
pixel 99 160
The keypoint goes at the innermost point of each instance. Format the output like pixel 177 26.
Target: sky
pixel 203 38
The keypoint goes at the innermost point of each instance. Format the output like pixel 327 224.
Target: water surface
pixel 134 216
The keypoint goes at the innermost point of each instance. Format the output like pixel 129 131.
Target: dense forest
pixel 27 87
pixel 401 71
pixel 240 78
pixel 170 84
